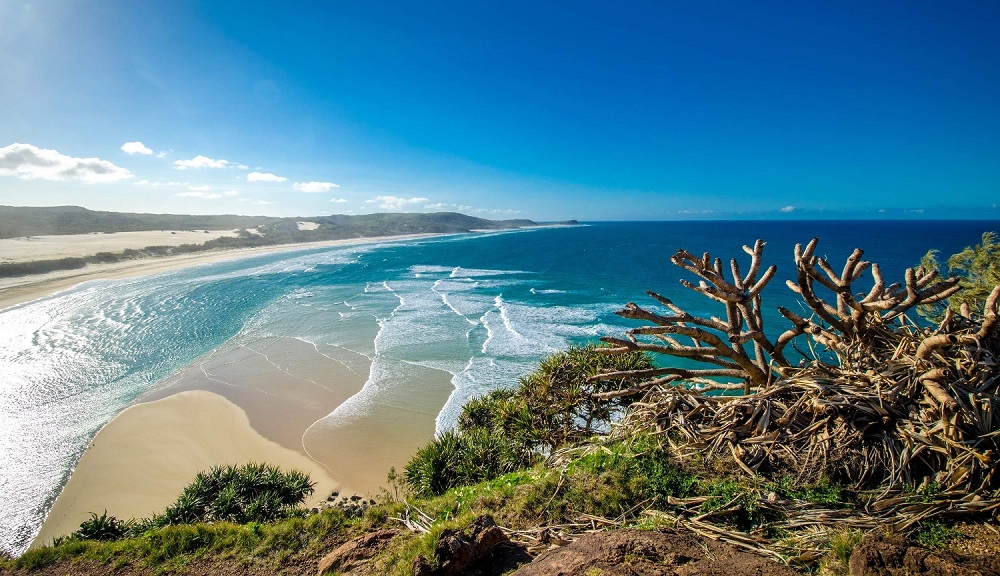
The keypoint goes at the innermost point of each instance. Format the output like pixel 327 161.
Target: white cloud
pixel 394 202
pixel 263 202
pixel 135 148
pixel 200 188
pixel 31 162
pixel 315 186
pixel 200 162
pixel 199 194
pixel 147 182
pixel 264 177
pixel 338 200
pixel 787 209
pixel 163 153
pixel 231 192
pixel 242 166
pixel 466 209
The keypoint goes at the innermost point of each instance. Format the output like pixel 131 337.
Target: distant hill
pixel 17 222
pixel 254 231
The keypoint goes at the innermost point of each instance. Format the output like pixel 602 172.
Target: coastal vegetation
pixel 238 494
pixel 860 420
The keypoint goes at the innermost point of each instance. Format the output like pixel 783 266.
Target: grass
pixel 164 549
pixel 936 534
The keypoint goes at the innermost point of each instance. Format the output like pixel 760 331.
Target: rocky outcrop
pixel 631 552
pixel 355 554
pixel 482 548
pixel 878 556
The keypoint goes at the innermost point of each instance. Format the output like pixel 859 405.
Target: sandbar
pixel 140 462
pixel 20 289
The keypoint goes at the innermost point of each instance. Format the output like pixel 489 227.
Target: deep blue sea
pixel 484 307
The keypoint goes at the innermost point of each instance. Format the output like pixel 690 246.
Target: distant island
pixel 243 231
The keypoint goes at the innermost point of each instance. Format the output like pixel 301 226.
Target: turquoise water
pixel 483 307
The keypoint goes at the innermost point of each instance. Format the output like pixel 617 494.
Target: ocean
pixel 482 307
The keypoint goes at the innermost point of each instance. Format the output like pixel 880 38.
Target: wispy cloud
pixel 136 148
pixel 33 163
pixel 201 162
pixel 147 182
pixel 231 193
pixel 466 209
pixel 394 202
pixel 338 200
pixel 199 194
pixel 200 188
pixel 787 209
pixel 264 177
pixel 315 186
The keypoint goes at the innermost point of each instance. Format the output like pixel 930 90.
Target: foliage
pixel 248 493
pixel 978 268
pixel 935 534
pixel 165 548
pixel 842 545
pixel 614 479
pixel 507 430
pixel 103 527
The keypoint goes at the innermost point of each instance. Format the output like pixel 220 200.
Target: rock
pixel 894 556
pixel 632 552
pixel 354 553
pixel 458 553
pixel 421 567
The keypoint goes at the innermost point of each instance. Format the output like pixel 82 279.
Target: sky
pixel 543 110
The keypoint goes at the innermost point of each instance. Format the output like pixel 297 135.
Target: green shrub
pixel 240 494
pixel 510 429
pixel 434 468
pixel 103 527
pixel 978 269
pixel 935 534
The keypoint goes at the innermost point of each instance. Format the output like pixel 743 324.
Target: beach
pixel 19 289
pixel 349 357
pixel 264 401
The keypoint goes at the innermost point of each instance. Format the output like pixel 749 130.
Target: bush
pixel 508 430
pixel 240 494
pixel 978 268
pixel 103 527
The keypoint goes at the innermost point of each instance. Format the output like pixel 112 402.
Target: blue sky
pixel 543 110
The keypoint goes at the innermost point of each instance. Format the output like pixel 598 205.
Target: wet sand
pixel 141 461
pixel 20 289
pixel 271 400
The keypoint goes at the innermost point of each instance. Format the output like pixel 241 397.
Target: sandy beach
pixel 19 289
pixel 265 401
pixel 141 461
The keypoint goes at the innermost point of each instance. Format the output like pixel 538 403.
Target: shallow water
pixel 478 309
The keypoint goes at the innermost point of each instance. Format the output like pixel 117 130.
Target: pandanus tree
pixel 869 396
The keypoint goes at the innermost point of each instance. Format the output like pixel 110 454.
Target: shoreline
pixel 22 289
pixel 271 400
pixel 140 462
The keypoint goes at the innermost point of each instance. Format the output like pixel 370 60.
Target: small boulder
pixel 354 553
